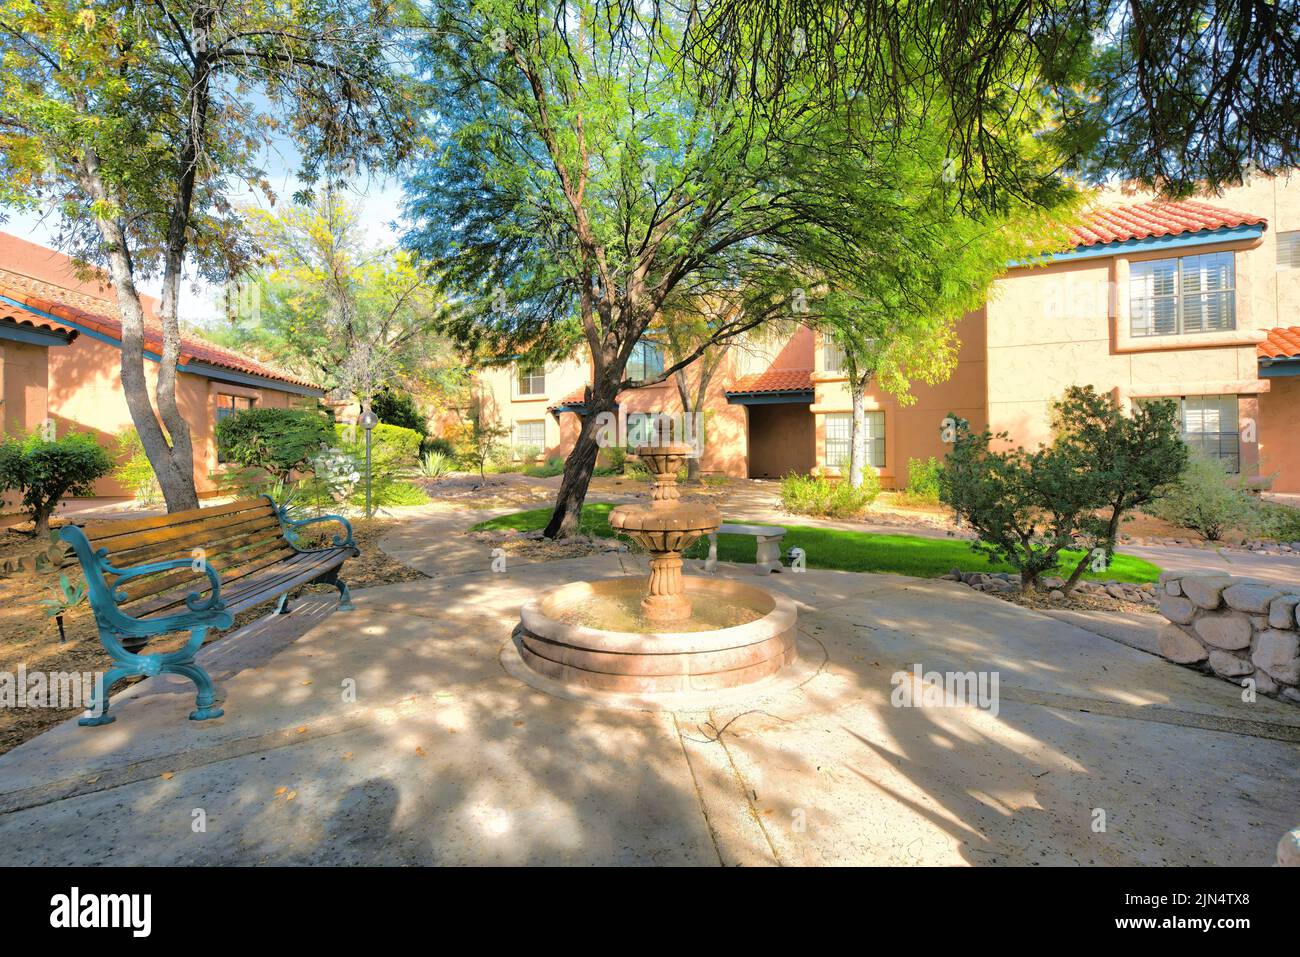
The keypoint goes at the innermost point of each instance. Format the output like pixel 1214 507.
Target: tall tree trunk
pixel 1112 530
pixel 858 445
pixel 579 466
pixel 173 467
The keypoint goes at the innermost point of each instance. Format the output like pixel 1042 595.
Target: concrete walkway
pixel 392 735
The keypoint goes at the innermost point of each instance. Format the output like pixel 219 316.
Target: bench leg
pixel 345 596
pixel 768 556
pixel 98 703
pixel 282 606
pixel 206 697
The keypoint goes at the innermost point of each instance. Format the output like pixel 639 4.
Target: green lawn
pixel 843 551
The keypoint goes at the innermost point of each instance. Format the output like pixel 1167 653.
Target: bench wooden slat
pixel 266 581
pixel 175 596
pixel 99 532
pixel 262 591
pixel 226 564
pixel 177 542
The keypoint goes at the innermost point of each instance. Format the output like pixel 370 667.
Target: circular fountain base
pixel 738 634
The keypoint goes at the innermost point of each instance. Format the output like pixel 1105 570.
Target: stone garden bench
pixel 768 541
pixel 193 571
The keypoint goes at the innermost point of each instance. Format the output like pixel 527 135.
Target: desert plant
pixel 815 495
pixel 1024 506
pixel 44 471
pixel 551 467
pixel 279 441
pixel 438 444
pixel 923 479
pixel 1207 499
pixel 1129 458
pixel 134 471
pixel 66 597
pixel 435 465
pixel 1276 521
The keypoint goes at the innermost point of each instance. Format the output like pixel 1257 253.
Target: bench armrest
pixel 339 540
pixel 194 600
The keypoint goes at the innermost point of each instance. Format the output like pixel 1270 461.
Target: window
pixel 228 405
pixel 832 357
pixel 647 428
pixel 532 380
pixel 1190 294
pixel 531 435
pixel 1288 250
pixel 646 362
pixel 839 439
pixel 1209 426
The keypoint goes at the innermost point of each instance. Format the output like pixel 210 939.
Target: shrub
pixel 611 460
pixel 398 408
pixel 392 447
pixel 1207 499
pixel 47 471
pixel 1024 506
pixel 552 466
pixel 436 464
pixel 440 445
pixel 1276 521
pixel 923 479
pixel 281 441
pixel 809 495
pixel 134 470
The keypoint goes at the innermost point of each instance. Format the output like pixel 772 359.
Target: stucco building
pixel 1198 301
pixel 60 360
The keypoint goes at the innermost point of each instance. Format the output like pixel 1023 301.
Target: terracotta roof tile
pixel 1111 224
pixel 1282 343
pixel 573 398
pixel 192 349
pixel 774 380
pixel 22 317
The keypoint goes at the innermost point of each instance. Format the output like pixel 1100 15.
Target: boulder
pixel 1250 597
pixel 1205 591
pixel 1180 647
pixel 1178 610
pixel 1282 613
pixel 1227 665
pixel 1288 849
pixel 1263 683
pixel 1224 630
pixel 1278 653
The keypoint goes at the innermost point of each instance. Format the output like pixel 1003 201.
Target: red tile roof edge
pixel 773 380
pixel 1112 224
pixel 192 349
pixel 1283 342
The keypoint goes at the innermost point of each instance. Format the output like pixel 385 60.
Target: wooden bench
pixel 767 556
pixel 193 571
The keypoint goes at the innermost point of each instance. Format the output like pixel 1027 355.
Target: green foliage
pixel 1276 521
pixel 1207 499
pixel 134 469
pixel 436 464
pixel 1024 506
pixel 440 445
pixel 44 472
pixel 923 479
pixel 1129 459
pixel 66 597
pixel 842 550
pixel 814 495
pixel 478 437
pixel 280 441
pixel 611 460
pixel 392 447
pixel 391 494
pixel 398 408
pixel 551 467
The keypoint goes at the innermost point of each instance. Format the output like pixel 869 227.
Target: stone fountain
pixel 657 638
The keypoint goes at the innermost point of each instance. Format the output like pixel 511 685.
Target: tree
pixel 1024 506
pixel 1174 94
pixel 45 471
pixel 281 441
pixel 136 123
pixel 583 177
pixel 1133 459
pixel 398 408
pixel 478 435
pixel 1207 499
pixel 347 314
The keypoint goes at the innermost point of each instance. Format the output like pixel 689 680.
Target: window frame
pixel 519 443
pixel 221 411
pixel 873 440
pixel 1233 459
pixel 530 373
pixel 638 355
pixel 831 348
pixel 1140 270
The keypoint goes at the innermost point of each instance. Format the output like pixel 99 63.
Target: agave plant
pixel 66 598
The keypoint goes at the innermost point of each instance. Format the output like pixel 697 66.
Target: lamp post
pixel 368 421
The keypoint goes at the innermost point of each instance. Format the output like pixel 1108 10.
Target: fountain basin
pixel 553 640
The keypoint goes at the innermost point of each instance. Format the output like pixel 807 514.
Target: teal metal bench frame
pixel 123 635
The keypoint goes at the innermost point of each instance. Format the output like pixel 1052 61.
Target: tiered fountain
pixel 674 634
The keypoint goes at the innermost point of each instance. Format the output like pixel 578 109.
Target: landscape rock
pixel 1205 591
pixel 1224 630
pixel 1180 647
pixel 1178 610
pixel 1278 653
pixel 1250 597
pixel 1227 665
pixel 1282 613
